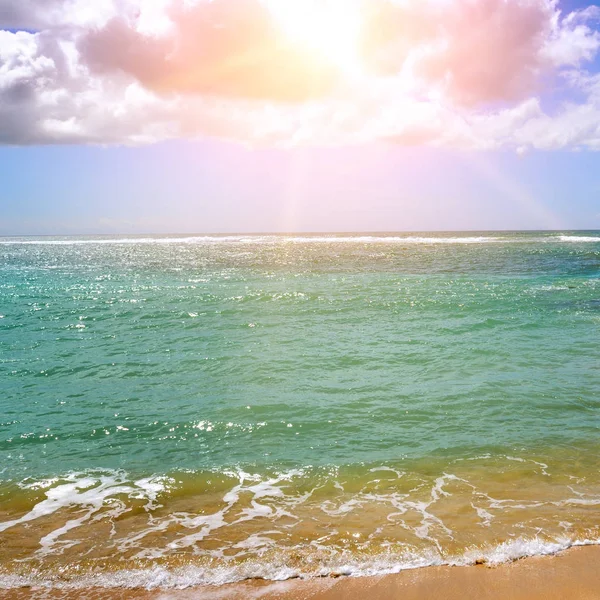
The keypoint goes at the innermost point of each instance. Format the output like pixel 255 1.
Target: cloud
pixel 474 51
pixel 41 14
pixel 491 50
pixel 227 48
pixel 460 73
pixel 27 14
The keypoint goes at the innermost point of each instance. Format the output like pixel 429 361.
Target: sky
pixel 223 116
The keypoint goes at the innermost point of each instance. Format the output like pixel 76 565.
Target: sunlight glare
pixel 330 29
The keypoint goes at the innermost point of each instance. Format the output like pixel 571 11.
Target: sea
pixel 198 410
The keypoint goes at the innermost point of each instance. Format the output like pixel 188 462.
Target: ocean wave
pixel 233 524
pixel 395 240
pixel 269 239
pixel 126 241
pixel 273 239
pixel 165 578
pixel 579 238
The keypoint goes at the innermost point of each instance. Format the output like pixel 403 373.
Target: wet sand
pixel 571 575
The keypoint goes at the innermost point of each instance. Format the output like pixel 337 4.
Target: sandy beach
pixel 572 575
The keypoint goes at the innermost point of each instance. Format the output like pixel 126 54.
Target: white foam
pixel 369 239
pixel 204 525
pixel 127 241
pixel 579 238
pixel 544 466
pixel 299 239
pixel 485 516
pixel 254 239
pixel 513 550
pixel 265 501
pixel 550 288
pixel 398 474
pixel 332 510
pixel 160 577
pixel 266 489
pixel 88 491
pixel 256 541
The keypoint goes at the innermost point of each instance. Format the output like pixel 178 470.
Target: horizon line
pixel 293 233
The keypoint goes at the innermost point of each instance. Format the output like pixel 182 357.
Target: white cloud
pixel 466 73
pixel 572 41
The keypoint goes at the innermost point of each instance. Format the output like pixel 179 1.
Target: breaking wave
pixel 219 527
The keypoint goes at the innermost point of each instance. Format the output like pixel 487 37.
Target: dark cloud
pixel 27 14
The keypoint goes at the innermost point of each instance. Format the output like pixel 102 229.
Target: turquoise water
pixel 187 361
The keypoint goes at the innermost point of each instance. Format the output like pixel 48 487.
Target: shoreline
pixel 572 574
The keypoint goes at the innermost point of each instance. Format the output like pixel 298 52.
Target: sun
pixel 329 29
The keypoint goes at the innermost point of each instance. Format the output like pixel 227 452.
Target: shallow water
pixel 205 409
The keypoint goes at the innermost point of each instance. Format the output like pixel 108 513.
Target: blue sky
pixel 214 186
pixel 532 163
